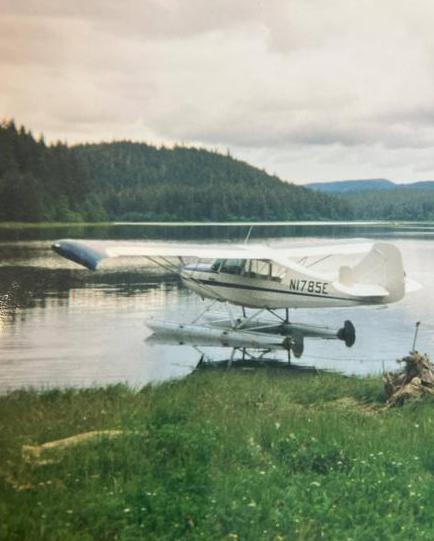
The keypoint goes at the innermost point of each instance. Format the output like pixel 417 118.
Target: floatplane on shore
pixel 267 280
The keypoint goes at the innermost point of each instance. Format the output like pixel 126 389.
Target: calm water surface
pixel 61 325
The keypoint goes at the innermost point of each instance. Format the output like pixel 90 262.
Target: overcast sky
pixel 308 89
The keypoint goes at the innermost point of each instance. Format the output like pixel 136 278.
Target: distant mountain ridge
pixel 364 185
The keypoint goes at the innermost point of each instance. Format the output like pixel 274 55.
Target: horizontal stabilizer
pixel 361 290
pixel 411 285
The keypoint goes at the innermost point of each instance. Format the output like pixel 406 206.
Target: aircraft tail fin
pixel 382 266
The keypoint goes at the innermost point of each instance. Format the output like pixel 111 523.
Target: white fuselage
pixel 292 289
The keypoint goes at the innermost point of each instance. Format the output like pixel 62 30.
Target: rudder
pixel 382 266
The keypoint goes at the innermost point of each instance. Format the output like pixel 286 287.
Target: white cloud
pixel 309 89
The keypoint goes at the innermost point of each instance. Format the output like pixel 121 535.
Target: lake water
pixel 61 325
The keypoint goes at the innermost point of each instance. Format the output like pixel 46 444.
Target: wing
pixel 90 253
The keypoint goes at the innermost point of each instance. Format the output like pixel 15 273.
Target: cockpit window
pixel 229 266
pixel 217 264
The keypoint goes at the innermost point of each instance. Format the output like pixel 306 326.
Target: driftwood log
pixel 416 380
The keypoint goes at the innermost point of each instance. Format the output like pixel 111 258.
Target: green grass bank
pixel 253 455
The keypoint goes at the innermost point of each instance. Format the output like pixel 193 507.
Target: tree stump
pixel 416 380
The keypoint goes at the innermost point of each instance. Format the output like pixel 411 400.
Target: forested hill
pixel 381 199
pixel 135 181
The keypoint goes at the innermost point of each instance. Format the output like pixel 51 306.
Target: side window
pixel 264 270
pixel 259 269
pixel 277 272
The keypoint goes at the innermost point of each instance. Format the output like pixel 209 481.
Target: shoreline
pixel 217 455
pixel 298 223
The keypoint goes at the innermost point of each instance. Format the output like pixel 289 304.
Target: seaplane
pixel 264 283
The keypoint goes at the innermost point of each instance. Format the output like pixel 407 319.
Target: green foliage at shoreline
pixel 403 203
pixel 138 182
pixel 220 455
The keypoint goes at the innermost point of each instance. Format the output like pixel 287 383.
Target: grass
pixel 220 455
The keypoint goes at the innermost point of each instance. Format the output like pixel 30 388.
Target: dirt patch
pixel 35 453
pixel 350 403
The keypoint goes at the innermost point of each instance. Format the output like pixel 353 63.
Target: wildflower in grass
pixel 315 484
pixel 127 510
pixel 69 511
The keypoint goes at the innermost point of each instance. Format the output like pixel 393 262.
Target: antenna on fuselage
pixel 246 240
pixel 413 349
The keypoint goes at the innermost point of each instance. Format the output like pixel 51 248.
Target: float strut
pixel 232 357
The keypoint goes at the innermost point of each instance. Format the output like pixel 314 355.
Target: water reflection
pixel 62 325
pixel 214 232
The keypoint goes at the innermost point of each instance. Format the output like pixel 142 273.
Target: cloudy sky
pixel 308 89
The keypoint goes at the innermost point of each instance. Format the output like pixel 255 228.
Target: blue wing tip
pixel 77 252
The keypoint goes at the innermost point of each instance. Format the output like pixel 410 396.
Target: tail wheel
pixel 347 333
pixel 295 343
